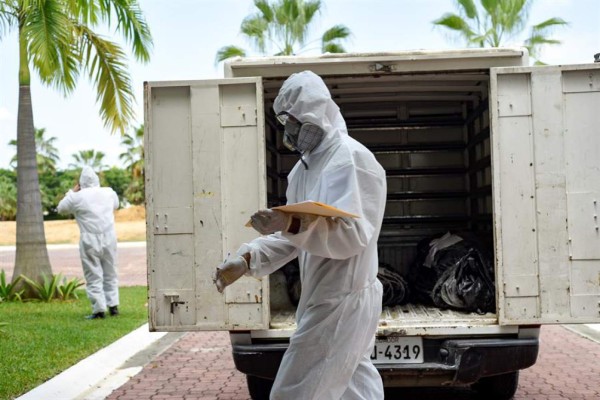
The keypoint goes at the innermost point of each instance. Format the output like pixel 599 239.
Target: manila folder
pixel 315 208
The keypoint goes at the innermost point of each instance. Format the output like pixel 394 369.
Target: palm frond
pixel 107 69
pixel 336 33
pixel 133 156
pixel 88 12
pixel 45 147
pixel 132 24
pixel 513 15
pixel 266 12
pixel 280 26
pixel 333 48
pixel 48 33
pixel 479 40
pixel 539 35
pixel 91 158
pixel 491 6
pixel 226 52
pixel 294 26
pixel 310 9
pixel 549 23
pixel 8 16
pixel 540 39
pixel 256 28
pixel 291 8
pixel 455 23
pixel 469 8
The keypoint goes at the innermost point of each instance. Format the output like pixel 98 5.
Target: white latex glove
pixel 230 271
pixel 269 221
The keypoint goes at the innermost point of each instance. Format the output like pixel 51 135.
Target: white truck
pixel 472 140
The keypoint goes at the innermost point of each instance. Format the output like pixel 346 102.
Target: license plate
pixel 398 350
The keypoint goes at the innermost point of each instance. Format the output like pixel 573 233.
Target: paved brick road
pixel 200 366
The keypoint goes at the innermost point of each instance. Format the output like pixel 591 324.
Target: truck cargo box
pixel 473 141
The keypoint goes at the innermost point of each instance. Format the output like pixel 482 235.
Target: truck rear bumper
pixel 458 362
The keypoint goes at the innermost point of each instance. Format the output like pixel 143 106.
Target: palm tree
pixel 89 158
pixel 46 152
pixel 57 41
pixel 498 22
pixel 279 27
pixel 133 157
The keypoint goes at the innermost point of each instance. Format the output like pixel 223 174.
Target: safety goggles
pixel 283 117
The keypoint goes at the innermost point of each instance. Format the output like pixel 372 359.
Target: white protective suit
pixel 340 305
pixel 93 207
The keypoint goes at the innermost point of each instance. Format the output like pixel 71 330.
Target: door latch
pixel 173 300
pixel 378 67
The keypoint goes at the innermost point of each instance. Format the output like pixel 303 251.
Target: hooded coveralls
pixel 93 208
pixel 339 308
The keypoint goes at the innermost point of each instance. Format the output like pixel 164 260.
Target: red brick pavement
pixel 200 366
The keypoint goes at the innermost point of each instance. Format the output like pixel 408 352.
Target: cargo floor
pixel 408 315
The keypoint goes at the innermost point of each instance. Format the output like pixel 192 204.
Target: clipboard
pixel 314 208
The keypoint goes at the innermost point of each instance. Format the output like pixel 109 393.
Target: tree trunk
pixel 31 255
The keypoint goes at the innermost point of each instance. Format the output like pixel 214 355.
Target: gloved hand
pixel 269 221
pixel 230 271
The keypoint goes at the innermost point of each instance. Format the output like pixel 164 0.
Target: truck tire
pixel 497 387
pixel 259 388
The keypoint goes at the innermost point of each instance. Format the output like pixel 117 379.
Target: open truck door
pixel 205 154
pixel 546 133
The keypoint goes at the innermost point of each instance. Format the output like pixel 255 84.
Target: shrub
pixel 66 290
pixel 54 287
pixel 8 290
pixel 8 198
pixel 47 290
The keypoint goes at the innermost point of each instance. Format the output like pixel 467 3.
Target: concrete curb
pixel 97 376
pixel 590 331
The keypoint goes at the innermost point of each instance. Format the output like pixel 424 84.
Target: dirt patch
pixel 130 225
pixel 133 213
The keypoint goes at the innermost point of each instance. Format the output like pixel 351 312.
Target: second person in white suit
pixel 93 207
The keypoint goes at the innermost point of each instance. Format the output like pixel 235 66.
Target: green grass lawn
pixel 43 339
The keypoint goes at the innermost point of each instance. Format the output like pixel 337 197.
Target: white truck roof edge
pixel 410 60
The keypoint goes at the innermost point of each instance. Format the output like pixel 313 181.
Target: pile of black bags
pixel 395 288
pixel 449 271
pixel 453 272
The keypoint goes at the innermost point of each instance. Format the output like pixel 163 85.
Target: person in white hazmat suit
pixel 339 308
pixel 93 207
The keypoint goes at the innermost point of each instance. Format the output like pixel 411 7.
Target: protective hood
pixel 88 178
pixel 305 96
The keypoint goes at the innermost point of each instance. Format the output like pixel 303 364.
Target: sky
pixel 188 33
